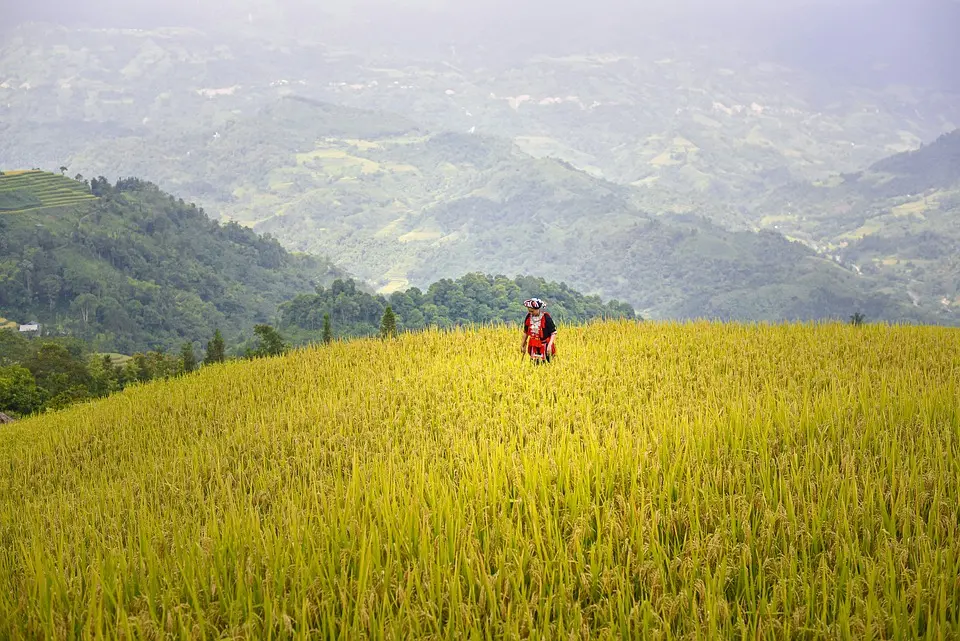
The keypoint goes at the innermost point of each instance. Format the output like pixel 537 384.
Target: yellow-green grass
pixel 915 208
pixel 22 191
pixel 656 481
pixel 767 221
pixel 868 228
pixel 338 162
pixel 546 147
pixel 679 152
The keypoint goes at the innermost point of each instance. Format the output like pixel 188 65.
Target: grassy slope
pixel 22 191
pixel 668 480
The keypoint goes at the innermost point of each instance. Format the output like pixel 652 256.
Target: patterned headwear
pixel 534 303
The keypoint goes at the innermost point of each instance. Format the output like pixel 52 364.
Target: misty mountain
pixel 450 144
pixel 898 220
pixel 403 206
pixel 873 42
pixel 883 43
pixel 691 131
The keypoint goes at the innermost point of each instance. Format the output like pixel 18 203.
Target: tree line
pixel 475 298
pixel 49 373
pixel 39 374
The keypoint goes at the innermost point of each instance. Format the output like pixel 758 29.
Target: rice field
pixel 22 191
pixel 658 481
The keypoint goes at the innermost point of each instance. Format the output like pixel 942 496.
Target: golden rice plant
pixel 657 481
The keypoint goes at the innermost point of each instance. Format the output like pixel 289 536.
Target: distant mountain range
pixel 400 206
pixel 898 220
pixel 868 42
pixel 643 178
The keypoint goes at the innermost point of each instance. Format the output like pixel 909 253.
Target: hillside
pixel 22 191
pixel 656 481
pixel 43 373
pixel 402 206
pixel 127 267
pixel 898 220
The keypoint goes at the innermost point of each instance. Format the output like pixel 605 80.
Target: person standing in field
pixel 539 332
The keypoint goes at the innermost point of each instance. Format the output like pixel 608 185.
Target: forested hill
pixel 898 221
pixel 128 267
pixel 933 166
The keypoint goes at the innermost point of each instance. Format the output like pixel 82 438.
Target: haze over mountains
pixel 874 40
pixel 633 149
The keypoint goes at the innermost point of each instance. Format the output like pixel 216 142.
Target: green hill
pixel 404 207
pixel 897 221
pixel 128 267
pixel 22 191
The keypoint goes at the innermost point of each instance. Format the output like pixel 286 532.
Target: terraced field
pixel 22 191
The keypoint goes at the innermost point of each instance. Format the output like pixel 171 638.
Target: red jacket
pixel 537 340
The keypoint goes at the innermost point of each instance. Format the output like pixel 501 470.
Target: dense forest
pixel 52 373
pixel 137 269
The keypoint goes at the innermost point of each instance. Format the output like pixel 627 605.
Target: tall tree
pixel 388 324
pixel 18 391
pixel 271 343
pixel 188 360
pixel 327 330
pixel 216 349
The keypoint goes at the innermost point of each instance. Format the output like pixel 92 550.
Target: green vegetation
pixel 269 342
pixel 135 269
pixel 896 221
pixel 55 372
pixel 216 349
pixel 388 324
pixel 22 191
pixel 473 299
pixel 52 373
pixel 661 481
pixel 17 199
